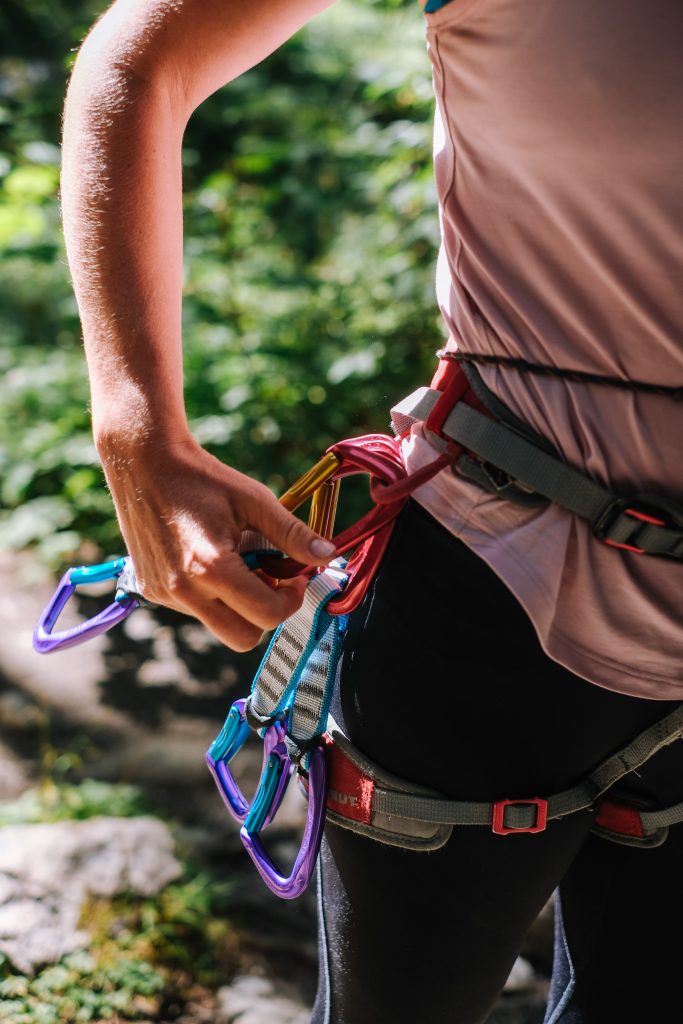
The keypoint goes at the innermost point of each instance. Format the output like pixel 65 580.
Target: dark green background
pixel 311 234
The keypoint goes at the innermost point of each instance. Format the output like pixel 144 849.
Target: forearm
pixel 142 71
pixel 122 216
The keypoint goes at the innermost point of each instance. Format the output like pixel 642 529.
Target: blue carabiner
pixel 227 744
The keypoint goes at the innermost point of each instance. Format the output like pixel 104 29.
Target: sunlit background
pixel 311 234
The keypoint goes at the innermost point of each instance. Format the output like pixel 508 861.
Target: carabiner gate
pixel 290 886
pixel 227 744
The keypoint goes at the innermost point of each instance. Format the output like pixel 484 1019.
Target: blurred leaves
pixel 311 234
pixel 73 802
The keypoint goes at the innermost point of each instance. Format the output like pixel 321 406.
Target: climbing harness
pixel 289 703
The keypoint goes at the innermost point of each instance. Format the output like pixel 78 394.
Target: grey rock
pixel 257 1000
pixel 47 871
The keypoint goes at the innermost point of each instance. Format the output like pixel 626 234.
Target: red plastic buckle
pixel 501 829
pixel 627 507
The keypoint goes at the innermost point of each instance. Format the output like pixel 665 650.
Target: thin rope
pixel 578 376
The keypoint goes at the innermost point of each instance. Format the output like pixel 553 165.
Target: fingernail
pixel 321 548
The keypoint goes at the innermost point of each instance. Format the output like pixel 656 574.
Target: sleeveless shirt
pixel 558 156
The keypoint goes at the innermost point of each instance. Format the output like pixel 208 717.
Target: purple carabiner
pixel 45 640
pixel 293 885
pixel 224 748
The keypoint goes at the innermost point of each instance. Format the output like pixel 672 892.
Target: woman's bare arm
pixel 143 69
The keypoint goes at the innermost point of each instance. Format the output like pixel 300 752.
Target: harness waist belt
pixel 514 463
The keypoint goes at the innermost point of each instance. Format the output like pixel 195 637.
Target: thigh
pixel 443 682
pixel 618 908
pixel 409 937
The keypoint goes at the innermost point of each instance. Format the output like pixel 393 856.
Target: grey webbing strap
pixel 653 820
pixel 523 814
pixel 292 648
pixel 414 408
pixel 528 463
pixel 314 689
pixel 525 462
pixel 504 448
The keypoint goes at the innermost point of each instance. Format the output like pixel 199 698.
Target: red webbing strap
pixel 450 379
pixel 349 791
pixel 619 818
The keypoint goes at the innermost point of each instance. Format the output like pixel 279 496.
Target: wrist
pixel 125 439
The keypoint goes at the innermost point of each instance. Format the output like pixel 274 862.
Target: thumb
pixel 292 535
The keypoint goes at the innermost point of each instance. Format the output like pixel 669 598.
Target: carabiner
pixel 378 455
pixel 45 640
pixel 227 744
pixel 292 885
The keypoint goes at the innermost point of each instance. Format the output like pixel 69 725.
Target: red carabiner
pixel 378 455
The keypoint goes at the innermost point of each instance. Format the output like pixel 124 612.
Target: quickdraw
pixel 290 698
pixel 377 455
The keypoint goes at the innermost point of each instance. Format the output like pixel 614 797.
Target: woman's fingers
pixel 237 631
pixel 231 582
pixel 288 533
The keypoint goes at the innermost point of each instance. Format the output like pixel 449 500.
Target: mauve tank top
pixel 558 151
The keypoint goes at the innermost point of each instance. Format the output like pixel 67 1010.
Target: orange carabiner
pixel 377 455
pixel 311 481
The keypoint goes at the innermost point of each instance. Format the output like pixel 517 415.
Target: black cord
pixel 578 376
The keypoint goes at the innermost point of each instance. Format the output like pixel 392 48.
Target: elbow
pixel 117 72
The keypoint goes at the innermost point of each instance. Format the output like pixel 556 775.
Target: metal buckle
pixel 642 509
pixel 46 640
pixel 224 748
pixel 498 823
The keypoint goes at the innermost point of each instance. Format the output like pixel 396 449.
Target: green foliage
pixel 66 801
pixel 311 233
pixel 143 951
pixel 80 988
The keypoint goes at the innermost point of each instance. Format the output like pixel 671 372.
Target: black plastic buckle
pixel 497 481
pixel 622 522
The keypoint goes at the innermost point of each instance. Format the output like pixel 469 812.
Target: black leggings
pixel 443 682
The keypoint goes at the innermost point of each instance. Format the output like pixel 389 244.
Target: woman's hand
pixel 182 512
